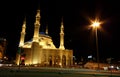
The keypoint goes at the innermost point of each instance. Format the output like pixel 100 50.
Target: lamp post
pixel 95 25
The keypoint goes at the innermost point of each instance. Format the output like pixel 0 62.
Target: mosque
pixel 41 49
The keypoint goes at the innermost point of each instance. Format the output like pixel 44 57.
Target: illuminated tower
pixel 22 38
pixel 46 30
pixel 37 26
pixel 62 37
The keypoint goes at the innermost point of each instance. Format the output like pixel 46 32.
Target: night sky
pixel 76 15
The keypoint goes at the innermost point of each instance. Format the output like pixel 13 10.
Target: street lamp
pixel 95 25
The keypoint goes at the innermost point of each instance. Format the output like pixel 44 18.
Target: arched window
pixel 63 60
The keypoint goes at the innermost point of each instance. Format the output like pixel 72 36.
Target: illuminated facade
pixel 2 47
pixel 41 49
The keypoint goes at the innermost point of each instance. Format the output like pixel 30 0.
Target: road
pixel 54 72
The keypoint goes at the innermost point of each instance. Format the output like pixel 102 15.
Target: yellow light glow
pixel 96 24
pixel 60 64
pixel 35 61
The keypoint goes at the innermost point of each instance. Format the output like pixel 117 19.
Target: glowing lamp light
pixel 96 24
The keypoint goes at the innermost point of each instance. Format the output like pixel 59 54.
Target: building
pixel 2 47
pixel 94 65
pixel 41 49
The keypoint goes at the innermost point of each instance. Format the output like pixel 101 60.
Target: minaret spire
pixel 62 36
pixel 22 38
pixel 37 26
pixel 46 30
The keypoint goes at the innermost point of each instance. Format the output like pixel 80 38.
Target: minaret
pixel 46 30
pixel 37 26
pixel 22 38
pixel 62 36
